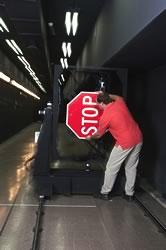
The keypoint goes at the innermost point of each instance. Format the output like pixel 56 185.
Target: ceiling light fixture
pixel 1 29
pixel 12 46
pixel 19 86
pixel 32 73
pixel 71 22
pixel 63 79
pixel 16 46
pixel 3 24
pixel 4 77
pixel 69 49
pixel 75 23
pixel 66 63
pixel 62 63
pixel 64 49
pixel 59 82
pixel 68 22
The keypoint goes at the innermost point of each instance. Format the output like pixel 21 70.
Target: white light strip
pixel 1 29
pixel 69 49
pixel 3 24
pixel 68 22
pixel 4 77
pixel 62 77
pixel 66 63
pixel 32 73
pixel 59 82
pixel 75 23
pixel 16 46
pixel 27 63
pixel 11 46
pixel 19 86
pixel 64 49
pixel 20 58
pixel 62 63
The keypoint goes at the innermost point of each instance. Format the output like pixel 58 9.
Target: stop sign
pixel 83 114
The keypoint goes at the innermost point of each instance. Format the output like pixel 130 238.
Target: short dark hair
pixel 104 97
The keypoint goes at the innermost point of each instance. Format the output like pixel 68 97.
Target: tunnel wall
pixel 147 101
pixel 17 109
pixel 118 23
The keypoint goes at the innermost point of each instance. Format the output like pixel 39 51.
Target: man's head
pixel 103 99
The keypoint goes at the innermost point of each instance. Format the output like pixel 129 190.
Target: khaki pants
pixel 117 157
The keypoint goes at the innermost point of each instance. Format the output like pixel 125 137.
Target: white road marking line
pixel 36 205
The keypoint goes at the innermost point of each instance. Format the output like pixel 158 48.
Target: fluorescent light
pixel 11 46
pixel 59 82
pixel 69 49
pixel 27 63
pixel 32 73
pixel 16 46
pixel 3 24
pixel 64 49
pixel 66 63
pixel 62 77
pixel 75 23
pixel 1 29
pixel 68 22
pixel 19 86
pixel 4 77
pixel 62 63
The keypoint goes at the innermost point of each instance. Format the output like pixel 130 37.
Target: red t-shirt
pixel 118 120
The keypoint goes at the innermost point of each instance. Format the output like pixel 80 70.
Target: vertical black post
pixel 56 104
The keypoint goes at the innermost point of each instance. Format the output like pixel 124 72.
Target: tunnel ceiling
pixel 28 22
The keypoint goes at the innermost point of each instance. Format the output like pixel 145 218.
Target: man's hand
pixel 88 138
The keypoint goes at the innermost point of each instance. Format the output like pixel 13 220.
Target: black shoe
pixel 105 197
pixel 129 198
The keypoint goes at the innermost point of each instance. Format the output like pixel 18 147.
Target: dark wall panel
pixel 118 23
pixel 147 100
pixel 17 110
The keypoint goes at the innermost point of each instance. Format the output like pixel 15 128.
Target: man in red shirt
pixel 117 119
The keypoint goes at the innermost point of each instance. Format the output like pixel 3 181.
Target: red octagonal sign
pixel 83 114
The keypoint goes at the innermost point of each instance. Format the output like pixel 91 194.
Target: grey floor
pixel 69 223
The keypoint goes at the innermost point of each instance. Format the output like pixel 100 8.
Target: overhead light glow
pixel 1 29
pixel 59 82
pixel 64 49
pixel 3 24
pixel 68 22
pixel 66 63
pixel 63 79
pixel 69 49
pixel 4 77
pixel 32 73
pixel 62 63
pixel 19 86
pixel 12 46
pixel 16 46
pixel 75 23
